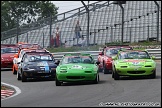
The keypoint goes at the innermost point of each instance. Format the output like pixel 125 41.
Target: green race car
pixel 77 67
pixel 133 63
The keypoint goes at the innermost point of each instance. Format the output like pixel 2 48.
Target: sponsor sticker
pixel 77 66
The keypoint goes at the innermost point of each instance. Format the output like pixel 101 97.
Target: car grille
pixel 75 77
pixel 135 72
pixel 88 71
pixel 148 66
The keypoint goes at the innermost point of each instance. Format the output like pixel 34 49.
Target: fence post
pixel 148 33
pixel 130 35
pixel 10 40
pixel 111 35
pixel 50 29
pixel 27 37
pixel 94 41
pixel 17 40
pixel 157 20
pixel 43 39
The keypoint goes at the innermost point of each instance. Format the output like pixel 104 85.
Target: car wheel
pixel 96 79
pixel 153 75
pixel 57 82
pixel 112 74
pixel 23 78
pixel 18 76
pixel 53 77
pixel 14 71
pixel 105 70
pixel 116 76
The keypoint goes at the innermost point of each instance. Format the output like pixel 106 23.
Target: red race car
pixel 105 57
pixel 7 55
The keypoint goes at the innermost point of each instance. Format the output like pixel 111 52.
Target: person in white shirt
pixel 82 42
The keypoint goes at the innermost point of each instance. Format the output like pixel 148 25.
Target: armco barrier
pixel 152 52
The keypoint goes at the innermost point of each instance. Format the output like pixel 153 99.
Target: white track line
pixel 17 90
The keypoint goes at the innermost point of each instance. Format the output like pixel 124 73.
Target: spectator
pixel 65 43
pixel 57 37
pixel 82 42
pixel 77 30
pixel 53 41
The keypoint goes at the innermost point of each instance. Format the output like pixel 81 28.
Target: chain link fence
pixel 105 25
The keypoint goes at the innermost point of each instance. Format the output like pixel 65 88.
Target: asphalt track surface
pixel 44 93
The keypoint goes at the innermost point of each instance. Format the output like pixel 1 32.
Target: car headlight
pixel 63 69
pixel 31 69
pixel 84 67
pixel 95 69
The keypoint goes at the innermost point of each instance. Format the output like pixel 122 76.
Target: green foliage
pixel 26 11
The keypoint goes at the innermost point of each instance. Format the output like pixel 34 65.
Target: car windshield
pixel 39 58
pixel 9 50
pixel 77 59
pixel 134 55
pixel 114 51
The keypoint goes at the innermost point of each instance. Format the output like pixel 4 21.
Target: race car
pixel 21 54
pixel 36 65
pixel 105 57
pixel 133 63
pixel 7 55
pixel 77 67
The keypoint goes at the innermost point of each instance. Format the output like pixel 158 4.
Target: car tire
pixel 18 76
pixel 23 78
pixel 112 74
pixel 96 79
pixel 57 82
pixel 116 76
pixel 14 71
pixel 152 76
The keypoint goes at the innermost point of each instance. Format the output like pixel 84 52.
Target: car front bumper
pixel 70 77
pixel 135 71
pixel 37 74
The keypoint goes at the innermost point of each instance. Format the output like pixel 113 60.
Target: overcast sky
pixel 69 5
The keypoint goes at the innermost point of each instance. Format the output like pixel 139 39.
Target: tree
pixel 26 11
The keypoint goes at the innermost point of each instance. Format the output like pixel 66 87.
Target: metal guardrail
pixel 152 52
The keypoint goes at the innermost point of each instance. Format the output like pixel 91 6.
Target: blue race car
pixel 36 65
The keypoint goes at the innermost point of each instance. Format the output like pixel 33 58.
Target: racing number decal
pixel 41 64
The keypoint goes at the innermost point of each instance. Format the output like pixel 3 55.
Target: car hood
pixel 135 61
pixel 78 66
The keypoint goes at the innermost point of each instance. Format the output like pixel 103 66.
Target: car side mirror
pixel 100 53
pixel 114 57
pixel 18 60
pixel 97 62
pixel 153 57
pixel 57 62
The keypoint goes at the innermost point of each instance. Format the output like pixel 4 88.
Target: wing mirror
pixel 18 61
pixel 97 62
pixel 114 57
pixel 153 57
pixel 57 62
pixel 100 53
